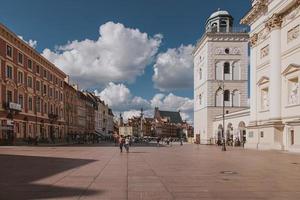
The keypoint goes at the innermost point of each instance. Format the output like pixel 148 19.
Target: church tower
pixel 220 58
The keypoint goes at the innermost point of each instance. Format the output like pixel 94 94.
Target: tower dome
pixel 219 21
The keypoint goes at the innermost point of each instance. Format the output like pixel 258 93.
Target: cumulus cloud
pixel 119 54
pixel 119 97
pixel 173 69
pixel 121 100
pixel 174 103
pixel 30 42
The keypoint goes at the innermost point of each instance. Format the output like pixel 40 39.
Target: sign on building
pixel 15 106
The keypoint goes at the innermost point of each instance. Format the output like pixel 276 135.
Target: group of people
pixel 168 141
pixel 124 142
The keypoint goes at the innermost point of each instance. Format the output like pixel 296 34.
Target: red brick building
pixel 31 92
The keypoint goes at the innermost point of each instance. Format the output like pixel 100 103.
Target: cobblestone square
pixel 177 172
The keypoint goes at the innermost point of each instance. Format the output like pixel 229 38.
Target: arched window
pixel 227 71
pixel 236 98
pixel 226 95
pixel 219 98
pixel 223 26
pixel 227 98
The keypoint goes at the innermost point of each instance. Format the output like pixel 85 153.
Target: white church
pixel 271 119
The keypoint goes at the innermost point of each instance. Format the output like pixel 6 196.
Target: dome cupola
pixel 219 21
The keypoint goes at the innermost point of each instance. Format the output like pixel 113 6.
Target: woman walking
pixel 127 144
pixel 121 143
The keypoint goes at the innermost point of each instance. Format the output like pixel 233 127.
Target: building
pixel 31 101
pixel 71 101
pixel 275 74
pixel 126 130
pixel 220 74
pixel 167 123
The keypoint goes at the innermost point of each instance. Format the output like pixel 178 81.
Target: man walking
pixel 121 143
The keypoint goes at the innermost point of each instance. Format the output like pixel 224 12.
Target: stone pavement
pixel 177 172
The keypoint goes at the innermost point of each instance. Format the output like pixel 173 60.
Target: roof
pixel 174 117
pixel 219 13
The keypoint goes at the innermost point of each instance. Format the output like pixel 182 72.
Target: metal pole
pixel 223 91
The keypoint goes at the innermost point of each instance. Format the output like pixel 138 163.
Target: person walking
pixel 157 140
pixel 121 143
pixel 127 144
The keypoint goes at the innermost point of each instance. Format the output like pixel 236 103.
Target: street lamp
pixel 221 86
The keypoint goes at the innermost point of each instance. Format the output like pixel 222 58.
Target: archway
pixel 229 134
pixel 242 131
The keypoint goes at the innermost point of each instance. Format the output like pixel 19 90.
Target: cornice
pixel 12 38
pixel 259 7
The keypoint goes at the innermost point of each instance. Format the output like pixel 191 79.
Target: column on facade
pixel 274 25
pixel 253 87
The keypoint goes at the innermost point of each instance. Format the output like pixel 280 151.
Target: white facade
pixel 275 75
pixel 221 53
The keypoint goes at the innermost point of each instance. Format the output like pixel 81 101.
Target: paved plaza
pixel 177 172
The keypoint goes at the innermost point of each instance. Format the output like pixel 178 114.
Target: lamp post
pixel 221 86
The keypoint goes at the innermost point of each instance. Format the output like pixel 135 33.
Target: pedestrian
pixel 157 140
pixel 127 144
pixel 121 143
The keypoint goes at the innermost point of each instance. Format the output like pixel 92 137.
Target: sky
pixel 132 53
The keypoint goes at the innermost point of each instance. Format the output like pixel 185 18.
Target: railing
pixel 231 30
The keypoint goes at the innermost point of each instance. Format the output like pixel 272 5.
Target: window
pixel 38 104
pixel 200 73
pixel 61 96
pixel 38 69
pixel 45 108
pixel 29 81
pixel 226 68
pixel 38 85
pixel 30 103
pixel 45 89
pixel 20 58
pixel 29 64
pixel 9 72
pixel 50 92
pixel 227 51
pixel 226 95
pixel 61 84
pixel 20 77
pixel 45 73
pixel 56 94
pixel 200 99
pixel 9 51
pixel 262 134
pixel 9 96
pixel 21 100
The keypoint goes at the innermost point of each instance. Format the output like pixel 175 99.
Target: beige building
pixel 220 62
pixel 126 130
pixel 275 74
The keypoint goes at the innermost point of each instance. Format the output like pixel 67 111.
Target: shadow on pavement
pixel 17 173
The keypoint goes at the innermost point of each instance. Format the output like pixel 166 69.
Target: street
pixel 177 172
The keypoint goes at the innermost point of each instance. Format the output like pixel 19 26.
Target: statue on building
pixel 293 96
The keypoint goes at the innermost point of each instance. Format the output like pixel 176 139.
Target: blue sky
pixel 53 23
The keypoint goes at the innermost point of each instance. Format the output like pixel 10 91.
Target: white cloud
pixel 121 100
pixel 30 42
pixel 119 97
pixel 174 103
pixel 174 69
pixel 119 54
